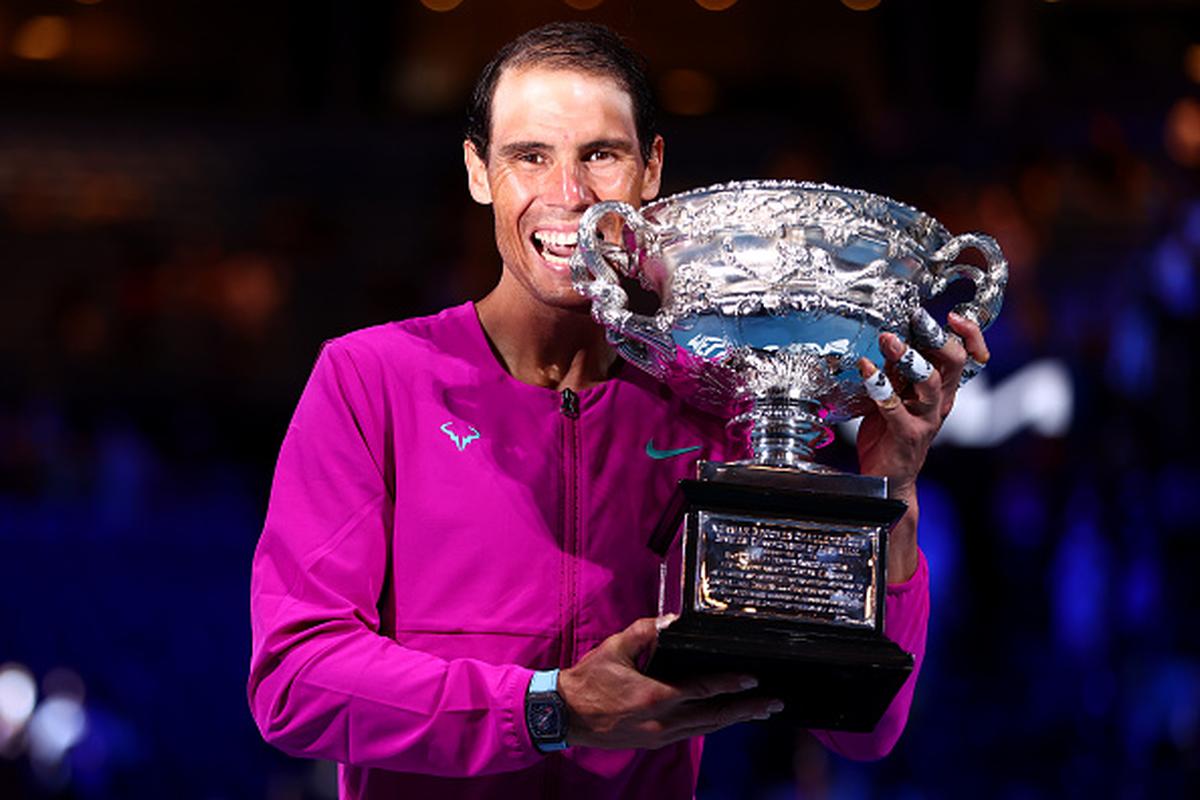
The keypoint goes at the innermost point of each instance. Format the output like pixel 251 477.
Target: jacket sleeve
pixel 323 682
pixel 905 623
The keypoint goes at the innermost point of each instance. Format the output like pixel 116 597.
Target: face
pixel 561 140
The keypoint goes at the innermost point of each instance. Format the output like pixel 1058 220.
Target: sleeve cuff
pixel 517 733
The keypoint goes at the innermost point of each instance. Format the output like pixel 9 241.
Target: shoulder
pixel 409 342
pixel 373 371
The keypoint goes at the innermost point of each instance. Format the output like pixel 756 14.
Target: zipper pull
pixel 570 404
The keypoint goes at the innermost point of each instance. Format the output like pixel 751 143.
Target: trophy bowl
pixel 770 292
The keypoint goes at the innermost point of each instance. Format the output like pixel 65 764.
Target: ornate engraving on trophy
pixel 758 277
pixel 787 569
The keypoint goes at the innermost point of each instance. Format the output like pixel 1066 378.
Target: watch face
pixel 543 720
pixel 546 718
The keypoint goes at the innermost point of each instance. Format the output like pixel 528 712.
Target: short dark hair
pixel 582 46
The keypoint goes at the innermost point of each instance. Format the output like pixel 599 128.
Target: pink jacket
pixel 436 531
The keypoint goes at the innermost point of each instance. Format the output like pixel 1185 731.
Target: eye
pixel 600 155
pixel 531 157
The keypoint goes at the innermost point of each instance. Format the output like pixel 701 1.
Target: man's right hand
pixel 613 705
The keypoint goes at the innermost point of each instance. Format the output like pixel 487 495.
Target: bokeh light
pixel 687 92
pixel 1191 62
pixel 57 725
pixel 43 38
pixel 583 5
pixel 1183 132
pixel 441 5
pixel 18 697
pixel 715 5
pixel 860 5
pixel 1039 396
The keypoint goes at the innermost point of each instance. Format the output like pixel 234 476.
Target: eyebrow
pixel 517 148
pixel 623 145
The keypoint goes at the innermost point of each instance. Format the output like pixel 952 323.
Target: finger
pixel 709 686
pixel 664 696
pixel 926 333
pixel 635 640
pixel 978 354
pixel 949 359
pixel 909 363
pixel 698 719
pixel 970 370
pixel 975 345
pixel 972 337
pixel 661 623
pixel 924 380
pixel 879 388
pixel 913 365
pixel 944 349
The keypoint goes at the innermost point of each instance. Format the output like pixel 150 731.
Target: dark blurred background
pixel 194 195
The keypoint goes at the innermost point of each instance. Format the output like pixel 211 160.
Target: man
pixel 455 542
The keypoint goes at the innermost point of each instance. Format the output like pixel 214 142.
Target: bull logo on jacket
pixel 460 442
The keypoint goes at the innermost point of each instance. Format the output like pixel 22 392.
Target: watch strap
pixel 545 682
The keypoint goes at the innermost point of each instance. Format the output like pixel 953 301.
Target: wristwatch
pixel 546 713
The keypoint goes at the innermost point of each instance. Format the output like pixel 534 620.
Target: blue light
pixel 939 539
pixel 1140 592
pixel 1174 278
pixel 1080 579
pixel 1131 354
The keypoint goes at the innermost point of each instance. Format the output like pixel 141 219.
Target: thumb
pixel 638 639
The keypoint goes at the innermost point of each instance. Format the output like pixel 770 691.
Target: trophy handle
pixel 989 282
pixel 596 267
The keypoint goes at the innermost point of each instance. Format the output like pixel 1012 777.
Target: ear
pixel 652 177
pixel 477 177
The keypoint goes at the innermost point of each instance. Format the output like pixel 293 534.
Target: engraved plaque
pixel 783 579
pixel 804 571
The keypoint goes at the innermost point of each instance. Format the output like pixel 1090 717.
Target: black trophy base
pixel 829 675
pixel 825 681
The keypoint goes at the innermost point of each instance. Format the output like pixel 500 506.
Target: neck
pixel 542 345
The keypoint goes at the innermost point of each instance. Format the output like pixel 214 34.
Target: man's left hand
pixel 913 396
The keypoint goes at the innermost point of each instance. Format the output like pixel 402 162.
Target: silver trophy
pixel 770 292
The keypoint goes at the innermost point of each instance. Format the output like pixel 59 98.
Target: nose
pixel 570 186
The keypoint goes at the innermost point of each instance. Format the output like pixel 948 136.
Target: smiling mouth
pixel 555 247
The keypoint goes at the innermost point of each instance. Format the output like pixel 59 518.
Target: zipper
pixel 571 524
pixel 570 404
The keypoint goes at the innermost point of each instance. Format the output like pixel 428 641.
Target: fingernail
pixel 748 683
pixel 774 707
pixel 891 344
pixel 956 317
pixel 665 620
pixel 761 716
pixel 914 366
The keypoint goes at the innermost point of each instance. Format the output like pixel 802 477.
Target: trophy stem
pixel 785 431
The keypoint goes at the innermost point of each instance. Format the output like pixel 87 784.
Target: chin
pixel 567 299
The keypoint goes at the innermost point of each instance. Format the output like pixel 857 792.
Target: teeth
pixel 556 260
pixel 557 238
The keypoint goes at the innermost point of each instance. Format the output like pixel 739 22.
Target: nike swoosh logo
pixel 659 455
